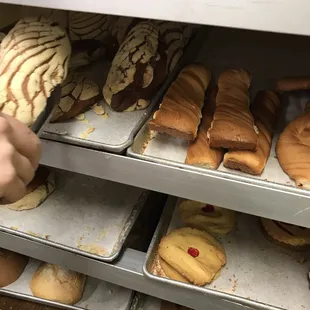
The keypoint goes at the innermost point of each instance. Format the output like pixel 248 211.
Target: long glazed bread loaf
pixel 137 69
pixel 33 61
pixel 264 109
pixel 56 283
pixel 233 124
pixel 179 114
pixel 199 152
pixel 293 149
pixel 293 83
pixel 78 93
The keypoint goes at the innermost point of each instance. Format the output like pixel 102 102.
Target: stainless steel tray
pixel 226 49
pixel 97 294
pixel 115 131
pixel 258 273
pixel 84 215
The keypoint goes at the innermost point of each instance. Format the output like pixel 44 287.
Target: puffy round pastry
pixel 36 192
pixel 56 283
pixel 12 266
pixel 293 150
pixel 287 234
pixel 207 217
pixel 191 255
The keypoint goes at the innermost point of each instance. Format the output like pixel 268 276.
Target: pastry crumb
pixel 87 132
pixel 93 248
pixel 98 109
pixel 80 117
pixel 14 228
pixel 47 237
pixel 33 234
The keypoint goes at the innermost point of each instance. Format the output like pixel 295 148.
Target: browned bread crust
pixel 233 124
pixel 264 110
pixel 293 83
pixel 179 114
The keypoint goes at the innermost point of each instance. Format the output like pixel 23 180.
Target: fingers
pixel 23 167
pixel 15 191
pixel 23 139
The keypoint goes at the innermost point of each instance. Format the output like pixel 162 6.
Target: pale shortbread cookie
pixel 33 60
pixel 58 284
pixel 77 94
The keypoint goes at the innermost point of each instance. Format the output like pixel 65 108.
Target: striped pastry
pixel 137 69
pixel 77 95
pixel 88 26
pixel 33 61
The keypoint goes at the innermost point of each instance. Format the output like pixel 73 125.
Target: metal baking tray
pixel 84 215
pixel 97 294
pixel 114 131
pixel 226 48
pixel 258 273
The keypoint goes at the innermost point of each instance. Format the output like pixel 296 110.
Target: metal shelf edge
pixel 287 204
pixel 255 15
pixel 126 272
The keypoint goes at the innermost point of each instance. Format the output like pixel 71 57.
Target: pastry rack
pixel 241 193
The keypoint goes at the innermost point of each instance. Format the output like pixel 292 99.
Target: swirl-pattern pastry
pixel 179 114
pixel 265 110
pixel 233 123
pixel 195 255
pixel 287 234
pixel 207 217
pixel 293 149
pixel 33 61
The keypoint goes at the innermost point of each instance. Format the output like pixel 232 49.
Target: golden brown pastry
pixel 293 149
pixel 179 114
pixel 207 217
pixel 264 109
pixel 137 70
pixel 31 69
pixel 287 234
pixel 36 191
pixel 190 255
pixel 233 123
pixel 199 152
pixel 293 83
pixel 12 266
pixel 78 93
pixel 56 283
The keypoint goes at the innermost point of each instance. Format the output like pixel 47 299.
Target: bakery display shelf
pixel 84 215
pixel 97 294
pixel 126 271
pixel 254 266
pixel 253 14
pixel 114 131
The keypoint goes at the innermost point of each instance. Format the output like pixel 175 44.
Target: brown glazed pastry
pixel 58 284
pixel 233 124
pixel 207 217
pixel 137 70
pixel 264 109
pixel 36 191
pixel 165 305
pixel 179 113
pixel 30 69
pixel 293 83
pixel 293 149
pixel 199 152
pixel 190 255
pixel 287 234
pixel 78 93
pixel 12 266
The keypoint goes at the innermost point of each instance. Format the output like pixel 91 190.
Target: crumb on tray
pixel 98 109
pixel 80 117
pixel 93 248
pixel 87 132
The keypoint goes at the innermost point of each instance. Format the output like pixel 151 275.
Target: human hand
pixel 20 151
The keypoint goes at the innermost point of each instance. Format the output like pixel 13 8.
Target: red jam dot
pixel 193 252
pixel 207 208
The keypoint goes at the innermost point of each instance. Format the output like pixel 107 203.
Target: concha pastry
pixel 137 70
pixel 33 60
pixel 293 149
pixel 78 93
pixel 207 217
pixel 287 234
pixel 36 191
pixel 190 255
